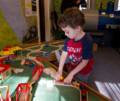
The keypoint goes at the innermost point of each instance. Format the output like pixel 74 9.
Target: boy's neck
pixel 80 35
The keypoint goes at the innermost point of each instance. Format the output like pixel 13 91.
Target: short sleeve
pixel 65 45
pixel 87 48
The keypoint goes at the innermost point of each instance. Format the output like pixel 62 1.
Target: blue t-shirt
pixel 78 50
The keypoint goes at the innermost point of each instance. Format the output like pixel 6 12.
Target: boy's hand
pixel 68 79
pixel 58 76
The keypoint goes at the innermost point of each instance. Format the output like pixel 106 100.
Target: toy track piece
pixel 23 91
pixel 37 72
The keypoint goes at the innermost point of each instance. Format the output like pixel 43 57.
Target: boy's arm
pixel 62 61
pixel 61 65
pixel 79 67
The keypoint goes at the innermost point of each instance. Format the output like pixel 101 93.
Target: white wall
pixel 13 13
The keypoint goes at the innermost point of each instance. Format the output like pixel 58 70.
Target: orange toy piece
pixel 61 78
pixel 23 92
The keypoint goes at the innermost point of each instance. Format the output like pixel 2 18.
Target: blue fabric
pixel 87 46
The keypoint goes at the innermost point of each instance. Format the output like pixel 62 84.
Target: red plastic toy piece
pixel 37 72
pixel 4 67
pixel 8 97
pixel 22 92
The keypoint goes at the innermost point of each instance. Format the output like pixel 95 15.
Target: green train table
pixel 24 87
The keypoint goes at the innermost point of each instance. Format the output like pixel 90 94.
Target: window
pixel 118 8
pixel 117 5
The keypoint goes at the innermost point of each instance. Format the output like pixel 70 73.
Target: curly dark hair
pixel 72 17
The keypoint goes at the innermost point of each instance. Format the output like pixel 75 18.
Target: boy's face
pixel 70 32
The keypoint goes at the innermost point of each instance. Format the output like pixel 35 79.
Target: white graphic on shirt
pixel 74 54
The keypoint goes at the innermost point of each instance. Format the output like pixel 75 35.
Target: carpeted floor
pixel 107 72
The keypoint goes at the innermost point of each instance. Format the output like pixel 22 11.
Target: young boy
pixel 77 48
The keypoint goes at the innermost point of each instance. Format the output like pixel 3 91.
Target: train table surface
pixel 45 88
pixel 44 91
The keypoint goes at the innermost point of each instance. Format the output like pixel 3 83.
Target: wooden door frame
pixel 44 20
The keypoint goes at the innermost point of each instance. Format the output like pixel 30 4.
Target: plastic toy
pixel 5 71
pixel 23 92
pixel 9 50
pixel 37 72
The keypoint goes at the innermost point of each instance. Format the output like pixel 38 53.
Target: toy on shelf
pixel 23 92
